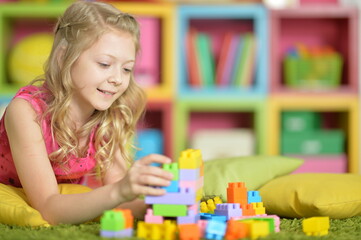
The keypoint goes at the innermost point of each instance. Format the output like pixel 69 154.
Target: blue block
pixel 173 187
pixel 253 196
pixel 215 229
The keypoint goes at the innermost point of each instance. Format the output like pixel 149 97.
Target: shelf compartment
pixel 219 114
pixel 339 113
pixel 215 21
pixel 315 26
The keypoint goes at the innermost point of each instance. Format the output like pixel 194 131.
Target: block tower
pixel 180 204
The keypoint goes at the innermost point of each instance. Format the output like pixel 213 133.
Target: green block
pixel 313 143
pixel 300 121
pixel 271 222
pixel 112 221
pixel 169 210
pixel 172 168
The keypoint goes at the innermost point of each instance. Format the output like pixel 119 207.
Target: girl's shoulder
pixel 35 95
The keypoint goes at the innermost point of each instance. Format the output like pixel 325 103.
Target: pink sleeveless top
pixel 77 168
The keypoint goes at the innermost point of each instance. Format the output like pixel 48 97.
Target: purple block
pixel 229 210
pixel 186 196
pixel 189 219
pixel 188 174
pixel 117 234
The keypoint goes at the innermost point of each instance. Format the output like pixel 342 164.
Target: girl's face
pixel 102 73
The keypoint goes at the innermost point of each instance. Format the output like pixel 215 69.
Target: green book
pixel 206 59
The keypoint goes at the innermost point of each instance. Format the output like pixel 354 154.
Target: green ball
pixel 27 57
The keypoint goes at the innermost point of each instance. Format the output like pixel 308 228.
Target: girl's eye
pixel 105 65
pixel 128 70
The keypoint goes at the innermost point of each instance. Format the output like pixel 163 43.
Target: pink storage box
pixel 322 164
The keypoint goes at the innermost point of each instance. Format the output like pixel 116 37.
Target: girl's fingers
pixel 154 158
pixel 145 190
pixel 150 180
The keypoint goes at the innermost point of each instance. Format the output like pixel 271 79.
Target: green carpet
pixel 345 229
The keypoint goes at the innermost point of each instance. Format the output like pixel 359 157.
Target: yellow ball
pixel 27 58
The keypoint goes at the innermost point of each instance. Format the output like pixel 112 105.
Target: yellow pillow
pixel 313 194
pixel 15 210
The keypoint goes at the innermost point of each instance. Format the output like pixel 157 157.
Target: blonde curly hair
pixel 82 24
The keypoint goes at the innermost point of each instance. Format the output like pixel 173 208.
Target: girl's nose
pixel 115 79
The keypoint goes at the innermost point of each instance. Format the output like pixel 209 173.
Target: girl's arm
pixel 38 180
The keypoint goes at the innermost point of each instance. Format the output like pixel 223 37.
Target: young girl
pixel 80 120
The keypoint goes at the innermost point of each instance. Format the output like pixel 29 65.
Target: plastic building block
pixel 189 232
pixel 258 208
pixel 217 200
pixel 215 229
pixel 202 224
pixel 173 187
pixel 190 159
pixel 191 217
pixel 229 210
pixel 128 232
pixel 150 218
pixel 169 210
pixel 128 217
pixel 237 193
pixel 112 221
pixel 189 174
pixel 273 220
pixel 257 229
pixel 253 196
pixel 247 210
pixel 165 231
pixel 316 226
pixel 235 230
pixel 211 205
pixel 204 207
pixel 209 217
pixel 185 196
pixel 172 168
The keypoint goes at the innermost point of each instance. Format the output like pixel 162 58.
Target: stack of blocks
pixel 181 201
pixel 180 212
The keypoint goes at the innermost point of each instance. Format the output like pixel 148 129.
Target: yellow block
pixel 190 159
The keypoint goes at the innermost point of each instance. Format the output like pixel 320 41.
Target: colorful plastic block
pixel 316 226
pixel 128 217
pixel 172 168
pixel 150 218
pixel 189 174
pixel 247 210
pixel 191 217
pixel 257 229
pixel 253 196
pixel 186 196
pixel 128 232
pixel 169 210
pixel 202 224
pixel 228 209
pixel 215 229
pixel 204 207
pixel 173 187
pixel 165 231
pixel 189 232
pixel 237 193
pixel 235 230
pixel 273 220
pixel 209 217
pixel 190 159
pixel 112 221
pixel 258 208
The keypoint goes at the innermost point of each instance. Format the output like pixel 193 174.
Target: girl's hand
pixel 141 178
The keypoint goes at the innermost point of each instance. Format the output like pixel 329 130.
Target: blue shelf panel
pixel 257 14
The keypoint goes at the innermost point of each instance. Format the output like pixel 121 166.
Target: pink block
pixel 147 69
pixel 202 226
pixel 194 207
pixel 323 164
pixel 150 218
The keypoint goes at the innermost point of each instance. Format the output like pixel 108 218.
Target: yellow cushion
pixel 15 209
pixel 313 194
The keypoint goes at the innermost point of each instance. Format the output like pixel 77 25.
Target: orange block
pixel 236 230
pixel 128 216
pixel 189 232
pixel 237 193
pixel 248 210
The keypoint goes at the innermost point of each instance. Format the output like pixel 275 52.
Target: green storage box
pixel 313 143
pixel 300 121
pixel 321 72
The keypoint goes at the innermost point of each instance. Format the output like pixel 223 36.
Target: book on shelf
pixel 206 59
pixel 192 60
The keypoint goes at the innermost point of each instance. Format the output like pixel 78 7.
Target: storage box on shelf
pixel 217 114
pixel 346 108
pixel 320 29
pixel 214 29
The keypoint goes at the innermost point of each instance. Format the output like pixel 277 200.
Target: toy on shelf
pixel 28 56
pixel 316 226
pixel 317 68
pixel 180 213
